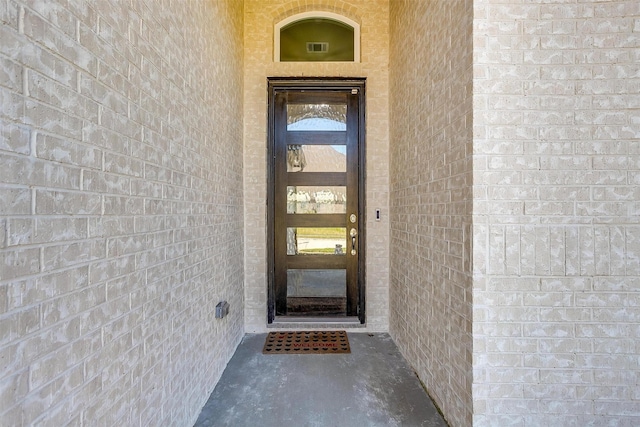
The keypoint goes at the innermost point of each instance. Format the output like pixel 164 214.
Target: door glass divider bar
pixel 311 96
pixel 317 262
pixel 300 137
pixel 328 179
pixel 312 220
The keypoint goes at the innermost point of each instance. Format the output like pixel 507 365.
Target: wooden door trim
pixel 322 85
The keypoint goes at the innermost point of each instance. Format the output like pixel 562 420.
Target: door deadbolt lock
pixel 352 218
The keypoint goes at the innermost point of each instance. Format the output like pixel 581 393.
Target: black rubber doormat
pixel 315 342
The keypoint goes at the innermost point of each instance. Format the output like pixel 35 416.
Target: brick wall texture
pixel 431 176
pixel 121 208
pixel 260 18
pixel 556 240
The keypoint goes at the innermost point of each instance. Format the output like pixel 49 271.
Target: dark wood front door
pixel 315 198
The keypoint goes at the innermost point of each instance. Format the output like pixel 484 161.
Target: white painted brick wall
pixel 431 136
pixel 121 208
pixel 556 213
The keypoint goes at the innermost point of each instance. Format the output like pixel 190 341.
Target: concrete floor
pixel 372 386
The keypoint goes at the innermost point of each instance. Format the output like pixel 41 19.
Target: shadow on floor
pixel 371 386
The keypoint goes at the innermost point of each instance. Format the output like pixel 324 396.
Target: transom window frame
pixel 323 15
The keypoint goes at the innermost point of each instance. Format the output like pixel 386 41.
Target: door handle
pixel 353 233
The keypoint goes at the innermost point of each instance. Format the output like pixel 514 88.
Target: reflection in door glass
pixel 316 158
pixel 316 241
pixel 316 283
pixel 317 117
pixel 316 200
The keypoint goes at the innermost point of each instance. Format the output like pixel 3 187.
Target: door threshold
pixel 292 322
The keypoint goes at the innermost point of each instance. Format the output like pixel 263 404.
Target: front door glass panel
pixel 317 117
pixel 316 241
pixel 316 158
pixel 316 283
pixel 316 200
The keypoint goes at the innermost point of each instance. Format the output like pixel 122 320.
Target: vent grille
pixel 317 47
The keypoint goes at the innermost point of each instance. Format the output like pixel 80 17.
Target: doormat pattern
pixel 315 342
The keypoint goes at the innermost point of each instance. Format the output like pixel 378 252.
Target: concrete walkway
pixel 372 386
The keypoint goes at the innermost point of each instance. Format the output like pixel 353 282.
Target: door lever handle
pixel 353 233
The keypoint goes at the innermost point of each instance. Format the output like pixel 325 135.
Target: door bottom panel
pixel 316 306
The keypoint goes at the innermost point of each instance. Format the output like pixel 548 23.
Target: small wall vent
pixel 317 47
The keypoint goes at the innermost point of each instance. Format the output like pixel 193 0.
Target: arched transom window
pixel 317 36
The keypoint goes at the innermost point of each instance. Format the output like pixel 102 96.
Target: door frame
pixel 322 84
